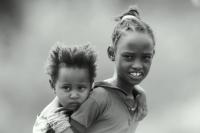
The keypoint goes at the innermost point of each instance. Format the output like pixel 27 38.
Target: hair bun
pixel 132 12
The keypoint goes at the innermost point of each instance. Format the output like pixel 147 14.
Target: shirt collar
pixel 111 86
pixel 108 85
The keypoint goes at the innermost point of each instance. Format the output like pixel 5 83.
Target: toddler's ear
pixel 111 53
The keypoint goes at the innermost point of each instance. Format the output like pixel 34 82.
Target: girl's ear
pixel 52 84
pixel 111 53
pixel 153 52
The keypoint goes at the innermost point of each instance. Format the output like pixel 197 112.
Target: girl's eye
pixel 147 58
pixel 128 57
pixel 67 88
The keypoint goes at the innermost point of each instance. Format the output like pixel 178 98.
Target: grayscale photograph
pixel 99 66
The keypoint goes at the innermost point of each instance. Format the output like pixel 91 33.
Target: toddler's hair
pixel 82 56
pixel 130 21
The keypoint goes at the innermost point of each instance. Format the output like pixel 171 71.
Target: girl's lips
pixel 136 75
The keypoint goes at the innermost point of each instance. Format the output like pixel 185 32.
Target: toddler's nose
pixel 74 95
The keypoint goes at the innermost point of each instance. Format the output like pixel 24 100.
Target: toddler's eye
pixel 82 88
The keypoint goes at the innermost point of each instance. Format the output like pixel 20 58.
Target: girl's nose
pixel 137 65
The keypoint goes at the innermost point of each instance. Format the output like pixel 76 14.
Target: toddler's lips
pixel 73 105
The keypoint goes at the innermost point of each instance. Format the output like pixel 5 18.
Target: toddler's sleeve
pixel 41 125
pixel 59 122
pixel 51 123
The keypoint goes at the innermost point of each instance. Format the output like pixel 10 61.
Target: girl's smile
pixel 136 75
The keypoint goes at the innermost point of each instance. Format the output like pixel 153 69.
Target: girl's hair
pixel 130 21
pixel 82 56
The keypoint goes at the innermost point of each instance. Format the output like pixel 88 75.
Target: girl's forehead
pixel 132 40
pixel 136 36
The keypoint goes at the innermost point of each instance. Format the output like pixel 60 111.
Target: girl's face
pixel 72 87
pixel 133 56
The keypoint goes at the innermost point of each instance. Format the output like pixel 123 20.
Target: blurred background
pixel 28 28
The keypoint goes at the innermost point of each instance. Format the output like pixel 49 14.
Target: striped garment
pixel 50 121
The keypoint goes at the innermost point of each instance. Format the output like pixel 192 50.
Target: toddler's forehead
pixel 70 67
pixel 73 73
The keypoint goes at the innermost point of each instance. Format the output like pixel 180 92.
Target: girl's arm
pixel 76 127
pixel 69 130
pixel 89 111
pixel 141 110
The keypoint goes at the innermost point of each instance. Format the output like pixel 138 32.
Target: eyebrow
pixel 135 52
pixel 150 53
pixel 82 83
pixel 64 84
pixel 132 53
pixel 78 83
pixel 127 52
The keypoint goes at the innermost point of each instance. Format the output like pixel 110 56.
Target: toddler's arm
pixel 69 129
pixel 59 121
pixel 54 121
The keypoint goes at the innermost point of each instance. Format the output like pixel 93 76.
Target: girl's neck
pixel 122 84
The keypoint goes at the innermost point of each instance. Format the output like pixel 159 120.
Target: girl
pixel 117 104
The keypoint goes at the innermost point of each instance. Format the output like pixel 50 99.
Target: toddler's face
pixel 133 57
pixel 72 86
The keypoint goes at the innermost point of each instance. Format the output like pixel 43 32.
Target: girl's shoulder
pixel 105 89
pixel 100 95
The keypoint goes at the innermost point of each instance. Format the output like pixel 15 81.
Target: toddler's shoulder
pixel 50 108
